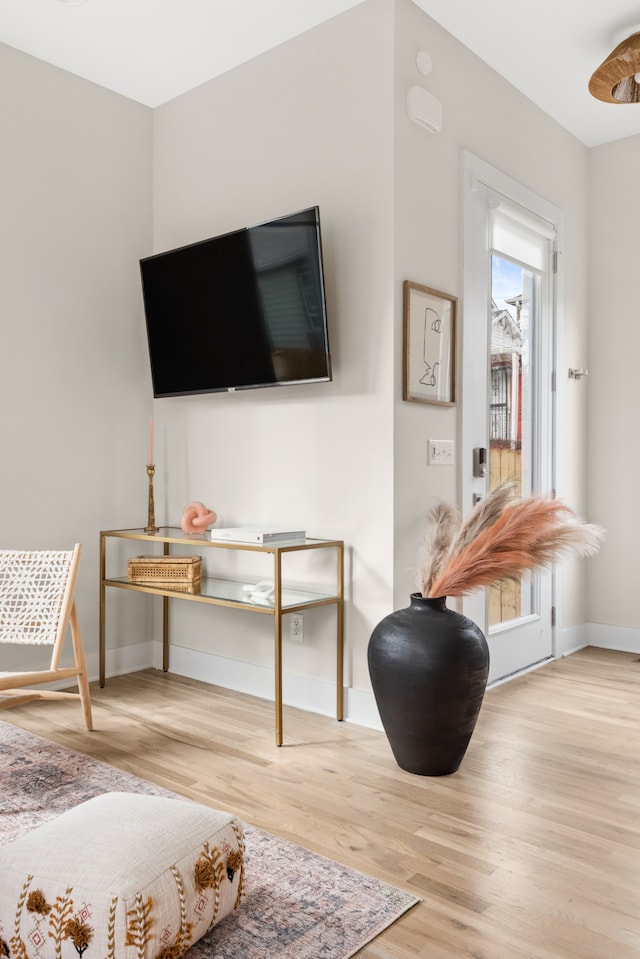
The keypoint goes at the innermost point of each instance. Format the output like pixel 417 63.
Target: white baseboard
pixel 302 691
pixel 121 660
pixel 305 692
pixel 361 708
pixel 626 639
pixel 570 640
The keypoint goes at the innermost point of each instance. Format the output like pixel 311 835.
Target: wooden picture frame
pixel 429 363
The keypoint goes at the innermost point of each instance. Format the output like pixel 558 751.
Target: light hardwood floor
pixel 530 851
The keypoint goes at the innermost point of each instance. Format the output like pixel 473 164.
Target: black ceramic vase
pixel 429 667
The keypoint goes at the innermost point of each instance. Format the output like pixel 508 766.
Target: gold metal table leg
pixel 102 646
pixel 340 637
pixel 165 633
pixel 277 627
pixel 165 624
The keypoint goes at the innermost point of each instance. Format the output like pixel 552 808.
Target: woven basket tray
pixel 177 572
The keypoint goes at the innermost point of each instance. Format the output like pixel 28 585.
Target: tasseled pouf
pixel 121 876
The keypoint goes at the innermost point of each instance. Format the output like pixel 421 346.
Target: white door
pixel 507 388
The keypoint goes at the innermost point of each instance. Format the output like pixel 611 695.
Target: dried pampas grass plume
pixel 443 523
pixel 485 513
pixel 502 538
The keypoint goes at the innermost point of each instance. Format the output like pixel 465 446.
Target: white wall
pixel 614 349
pixel 485 115
pixel 75 166
pixel 307 123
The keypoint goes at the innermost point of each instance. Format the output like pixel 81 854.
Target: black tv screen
pixel 239 311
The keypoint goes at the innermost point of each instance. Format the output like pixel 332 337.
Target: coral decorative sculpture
pixel 196 518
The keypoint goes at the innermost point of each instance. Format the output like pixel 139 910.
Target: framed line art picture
pixel 429 361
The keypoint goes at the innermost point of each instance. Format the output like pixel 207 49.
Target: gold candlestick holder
pixel 151 521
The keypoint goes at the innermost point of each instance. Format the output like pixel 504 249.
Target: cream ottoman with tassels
pixel 122 876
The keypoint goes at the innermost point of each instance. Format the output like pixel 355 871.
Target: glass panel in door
pixel 512 427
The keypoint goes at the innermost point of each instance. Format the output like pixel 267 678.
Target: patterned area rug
pixel 298 905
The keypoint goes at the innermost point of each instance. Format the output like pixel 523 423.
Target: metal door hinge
pixel 553 616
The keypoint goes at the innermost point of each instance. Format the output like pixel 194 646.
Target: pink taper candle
pixel 150 440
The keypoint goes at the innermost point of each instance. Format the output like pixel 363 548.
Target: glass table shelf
pixel 230 592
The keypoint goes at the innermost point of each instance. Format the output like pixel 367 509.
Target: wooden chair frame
pixel 15 686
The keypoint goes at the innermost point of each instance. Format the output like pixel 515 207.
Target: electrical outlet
pixel 296 627
pixel 440 453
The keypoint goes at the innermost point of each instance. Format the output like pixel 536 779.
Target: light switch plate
pixel 440 453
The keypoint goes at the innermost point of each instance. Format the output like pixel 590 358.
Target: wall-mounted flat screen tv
pixel 239 311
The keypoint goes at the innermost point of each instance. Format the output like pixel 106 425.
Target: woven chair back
pixel 34 587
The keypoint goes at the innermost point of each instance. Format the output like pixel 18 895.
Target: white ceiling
pixel 548 49
pixel 154 50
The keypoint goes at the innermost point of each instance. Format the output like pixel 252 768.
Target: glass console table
pixel 220 592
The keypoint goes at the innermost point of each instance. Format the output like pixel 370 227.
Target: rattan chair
pixel 36 608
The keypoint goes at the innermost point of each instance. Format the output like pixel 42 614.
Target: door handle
pixel 480 461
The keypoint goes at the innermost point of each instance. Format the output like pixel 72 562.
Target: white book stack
pixel 261 535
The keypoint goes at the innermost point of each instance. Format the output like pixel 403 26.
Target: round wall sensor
pixel 424 63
